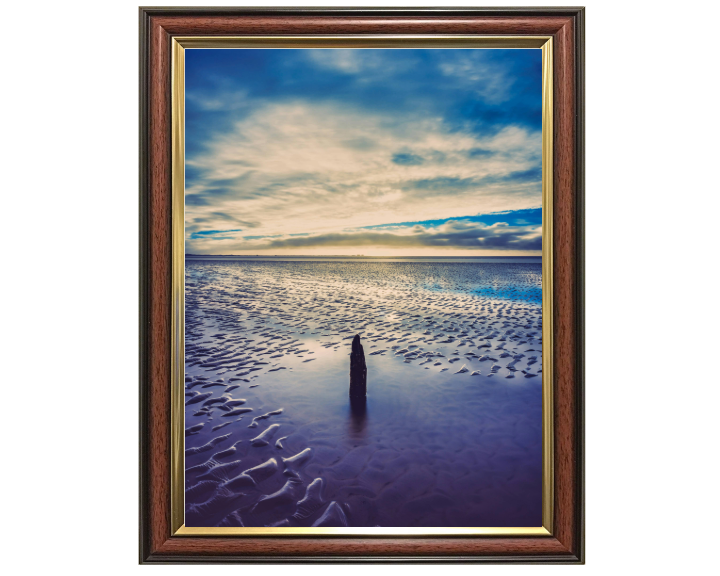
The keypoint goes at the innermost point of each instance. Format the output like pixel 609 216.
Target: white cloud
pixel 298 168
pixel 471 68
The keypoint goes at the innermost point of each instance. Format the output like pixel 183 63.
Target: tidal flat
pixel 450 434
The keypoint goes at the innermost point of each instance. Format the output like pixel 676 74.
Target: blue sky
pixel 379 152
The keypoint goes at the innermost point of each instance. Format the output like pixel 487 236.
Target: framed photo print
pixel 361 285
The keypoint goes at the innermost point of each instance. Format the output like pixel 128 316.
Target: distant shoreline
pixel 356 257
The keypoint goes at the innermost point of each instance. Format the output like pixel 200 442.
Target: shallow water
pixel 450 434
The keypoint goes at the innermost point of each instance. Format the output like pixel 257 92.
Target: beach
pixel 449 435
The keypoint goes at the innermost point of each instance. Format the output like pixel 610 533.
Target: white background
pixel 70 290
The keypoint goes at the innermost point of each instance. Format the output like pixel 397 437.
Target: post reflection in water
pixel 358 416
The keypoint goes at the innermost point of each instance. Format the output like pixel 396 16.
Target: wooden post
pixel 358 370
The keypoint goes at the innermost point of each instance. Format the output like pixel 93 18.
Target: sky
pixel 379 152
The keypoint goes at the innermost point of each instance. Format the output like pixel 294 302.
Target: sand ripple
pixel 432 446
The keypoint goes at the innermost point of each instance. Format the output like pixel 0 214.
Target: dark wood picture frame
pixel 157 27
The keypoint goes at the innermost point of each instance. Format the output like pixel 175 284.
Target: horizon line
pixel 349 256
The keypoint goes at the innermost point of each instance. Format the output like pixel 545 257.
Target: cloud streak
pixel 453 235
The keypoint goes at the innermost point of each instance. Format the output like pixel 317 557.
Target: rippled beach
pixel 450 433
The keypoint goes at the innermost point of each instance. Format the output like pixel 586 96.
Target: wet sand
pixel 450 433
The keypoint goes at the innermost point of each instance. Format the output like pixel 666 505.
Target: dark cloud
pixel 205 225
pixel 457 235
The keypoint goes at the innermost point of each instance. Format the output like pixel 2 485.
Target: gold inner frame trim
pixel 177 416
pixel 531 531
